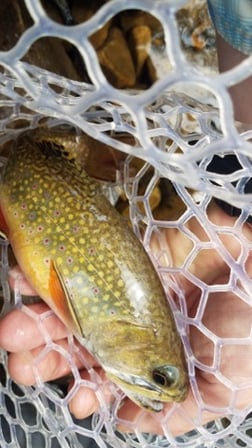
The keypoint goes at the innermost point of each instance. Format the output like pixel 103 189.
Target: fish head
pixel 151 390
pixel 145 364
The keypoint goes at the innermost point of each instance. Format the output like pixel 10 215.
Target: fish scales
pixel 84 261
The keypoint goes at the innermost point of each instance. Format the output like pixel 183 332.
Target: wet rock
pixel 139 42
pixel 116 60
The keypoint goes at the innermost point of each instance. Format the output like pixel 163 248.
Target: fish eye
pixel 166 376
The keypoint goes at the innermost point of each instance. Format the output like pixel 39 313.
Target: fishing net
pixel 169 108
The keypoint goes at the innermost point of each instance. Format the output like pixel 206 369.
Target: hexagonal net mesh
pixel 168 112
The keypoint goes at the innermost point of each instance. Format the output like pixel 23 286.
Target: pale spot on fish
pixel 94 309
pixel 79 280
pixel 134 289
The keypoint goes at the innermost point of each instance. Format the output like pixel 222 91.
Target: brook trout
pixel 89 267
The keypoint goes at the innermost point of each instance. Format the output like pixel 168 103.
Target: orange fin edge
pixel 4 230
pixel 61 300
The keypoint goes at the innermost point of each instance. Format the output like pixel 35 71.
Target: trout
pixel 85 262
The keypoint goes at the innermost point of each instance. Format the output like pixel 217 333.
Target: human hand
pixel 225 315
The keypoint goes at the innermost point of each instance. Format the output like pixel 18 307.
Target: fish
pixel 86 263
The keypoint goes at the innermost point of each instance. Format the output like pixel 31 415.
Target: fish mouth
pixel 147 393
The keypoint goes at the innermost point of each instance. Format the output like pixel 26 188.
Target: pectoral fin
pixel 62 300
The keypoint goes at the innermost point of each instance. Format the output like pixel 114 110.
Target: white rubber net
pixel 176 125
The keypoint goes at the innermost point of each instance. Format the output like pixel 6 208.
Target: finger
pixel 22 331
pixel 87 400
pixel 27 366
pixel 18 280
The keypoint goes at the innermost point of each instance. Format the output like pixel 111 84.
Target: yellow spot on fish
pixel 90 268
